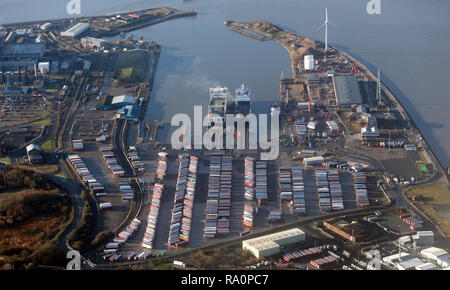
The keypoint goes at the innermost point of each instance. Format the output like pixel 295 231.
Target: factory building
pixel 122 101
pixel 333 127
pixel 92 43
pixel 130 112
pixel 25 55
pixel 347 91
pixel 440 256
pixel 371 129
pixel 349 230
pixel 75 30
pixel 34 154
pixel 270 244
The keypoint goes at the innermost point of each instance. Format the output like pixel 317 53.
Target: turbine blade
pixel 321 26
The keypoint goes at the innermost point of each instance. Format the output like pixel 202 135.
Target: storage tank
pixel 309 62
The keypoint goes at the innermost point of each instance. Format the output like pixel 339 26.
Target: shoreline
pixel 293 55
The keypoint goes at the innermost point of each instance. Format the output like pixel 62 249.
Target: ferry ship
pixel 218 103
pixel 275 109
pixel 242 102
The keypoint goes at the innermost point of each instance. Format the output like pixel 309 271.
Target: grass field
pixel 42 169
pixel 130 65
pixel 5 160
pixel 49 145
pixel 435 203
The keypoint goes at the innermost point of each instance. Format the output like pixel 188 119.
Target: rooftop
pixel 269 241
pixel 347 90
pixel 23 49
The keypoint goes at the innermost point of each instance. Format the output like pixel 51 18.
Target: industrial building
pixel 25 55
pixel 316 160
pixel 440 256
pixel 333 127
pixel 371 129
pixel 75 30
pixel 270 244
pixel 347 91
pixel 122 101
pixel 423 239
pixel 34 154
pixel 92 43
pixel 351 230
pixel 130 112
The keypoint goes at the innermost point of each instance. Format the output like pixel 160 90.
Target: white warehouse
pixel 270 244
pixel 75 30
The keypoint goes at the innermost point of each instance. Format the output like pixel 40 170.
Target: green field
pixel 130 66
pixel 435 203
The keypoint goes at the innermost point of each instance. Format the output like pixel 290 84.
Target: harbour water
pixel 409 41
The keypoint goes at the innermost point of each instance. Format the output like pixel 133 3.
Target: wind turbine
pixel 325 24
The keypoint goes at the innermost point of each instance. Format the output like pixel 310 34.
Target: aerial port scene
pixel 224 135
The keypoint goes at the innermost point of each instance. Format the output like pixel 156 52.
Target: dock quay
pixel 246 33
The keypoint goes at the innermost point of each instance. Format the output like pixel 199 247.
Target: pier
pixel 246 33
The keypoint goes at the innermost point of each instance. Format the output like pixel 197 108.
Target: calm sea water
pixel 409 42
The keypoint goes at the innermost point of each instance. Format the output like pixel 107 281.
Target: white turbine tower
pixel 325 24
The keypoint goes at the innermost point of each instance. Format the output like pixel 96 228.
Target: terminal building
pixel 25 55
pixel 271 244
pixel 347 91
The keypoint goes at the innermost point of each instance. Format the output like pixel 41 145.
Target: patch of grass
pixel 42 169
pixel 45 122
pixel 163 266
pixel 433 194
pixel 49 145
pixel 130 65
pixel 5 160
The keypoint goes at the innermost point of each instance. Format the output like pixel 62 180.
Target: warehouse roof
pixel 433 251
pixel 32 147
pixel 347 90
pixel 270 241
pixel 426 266
pixel 131 112
pixel 24 48
pixel 124 99
pixel 75 29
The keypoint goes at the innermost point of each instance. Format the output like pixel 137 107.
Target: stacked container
pixel 362 199
pixel 135 161
pixel 337 202
pixel 249 194
pixel 261 181
pixel 224 205
pixel 152 219
pixel 77 145
pixel 324 263
pixel 285 183
pixel 180 189
pixel 126 189
pixel 274 216
pixel 307 253
pixel 298 189
pixel 162 165
pixel 85 174
pixel 111 161
pixel 125 235
pixel 322 190
pixel 212 203
pixel 189 199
